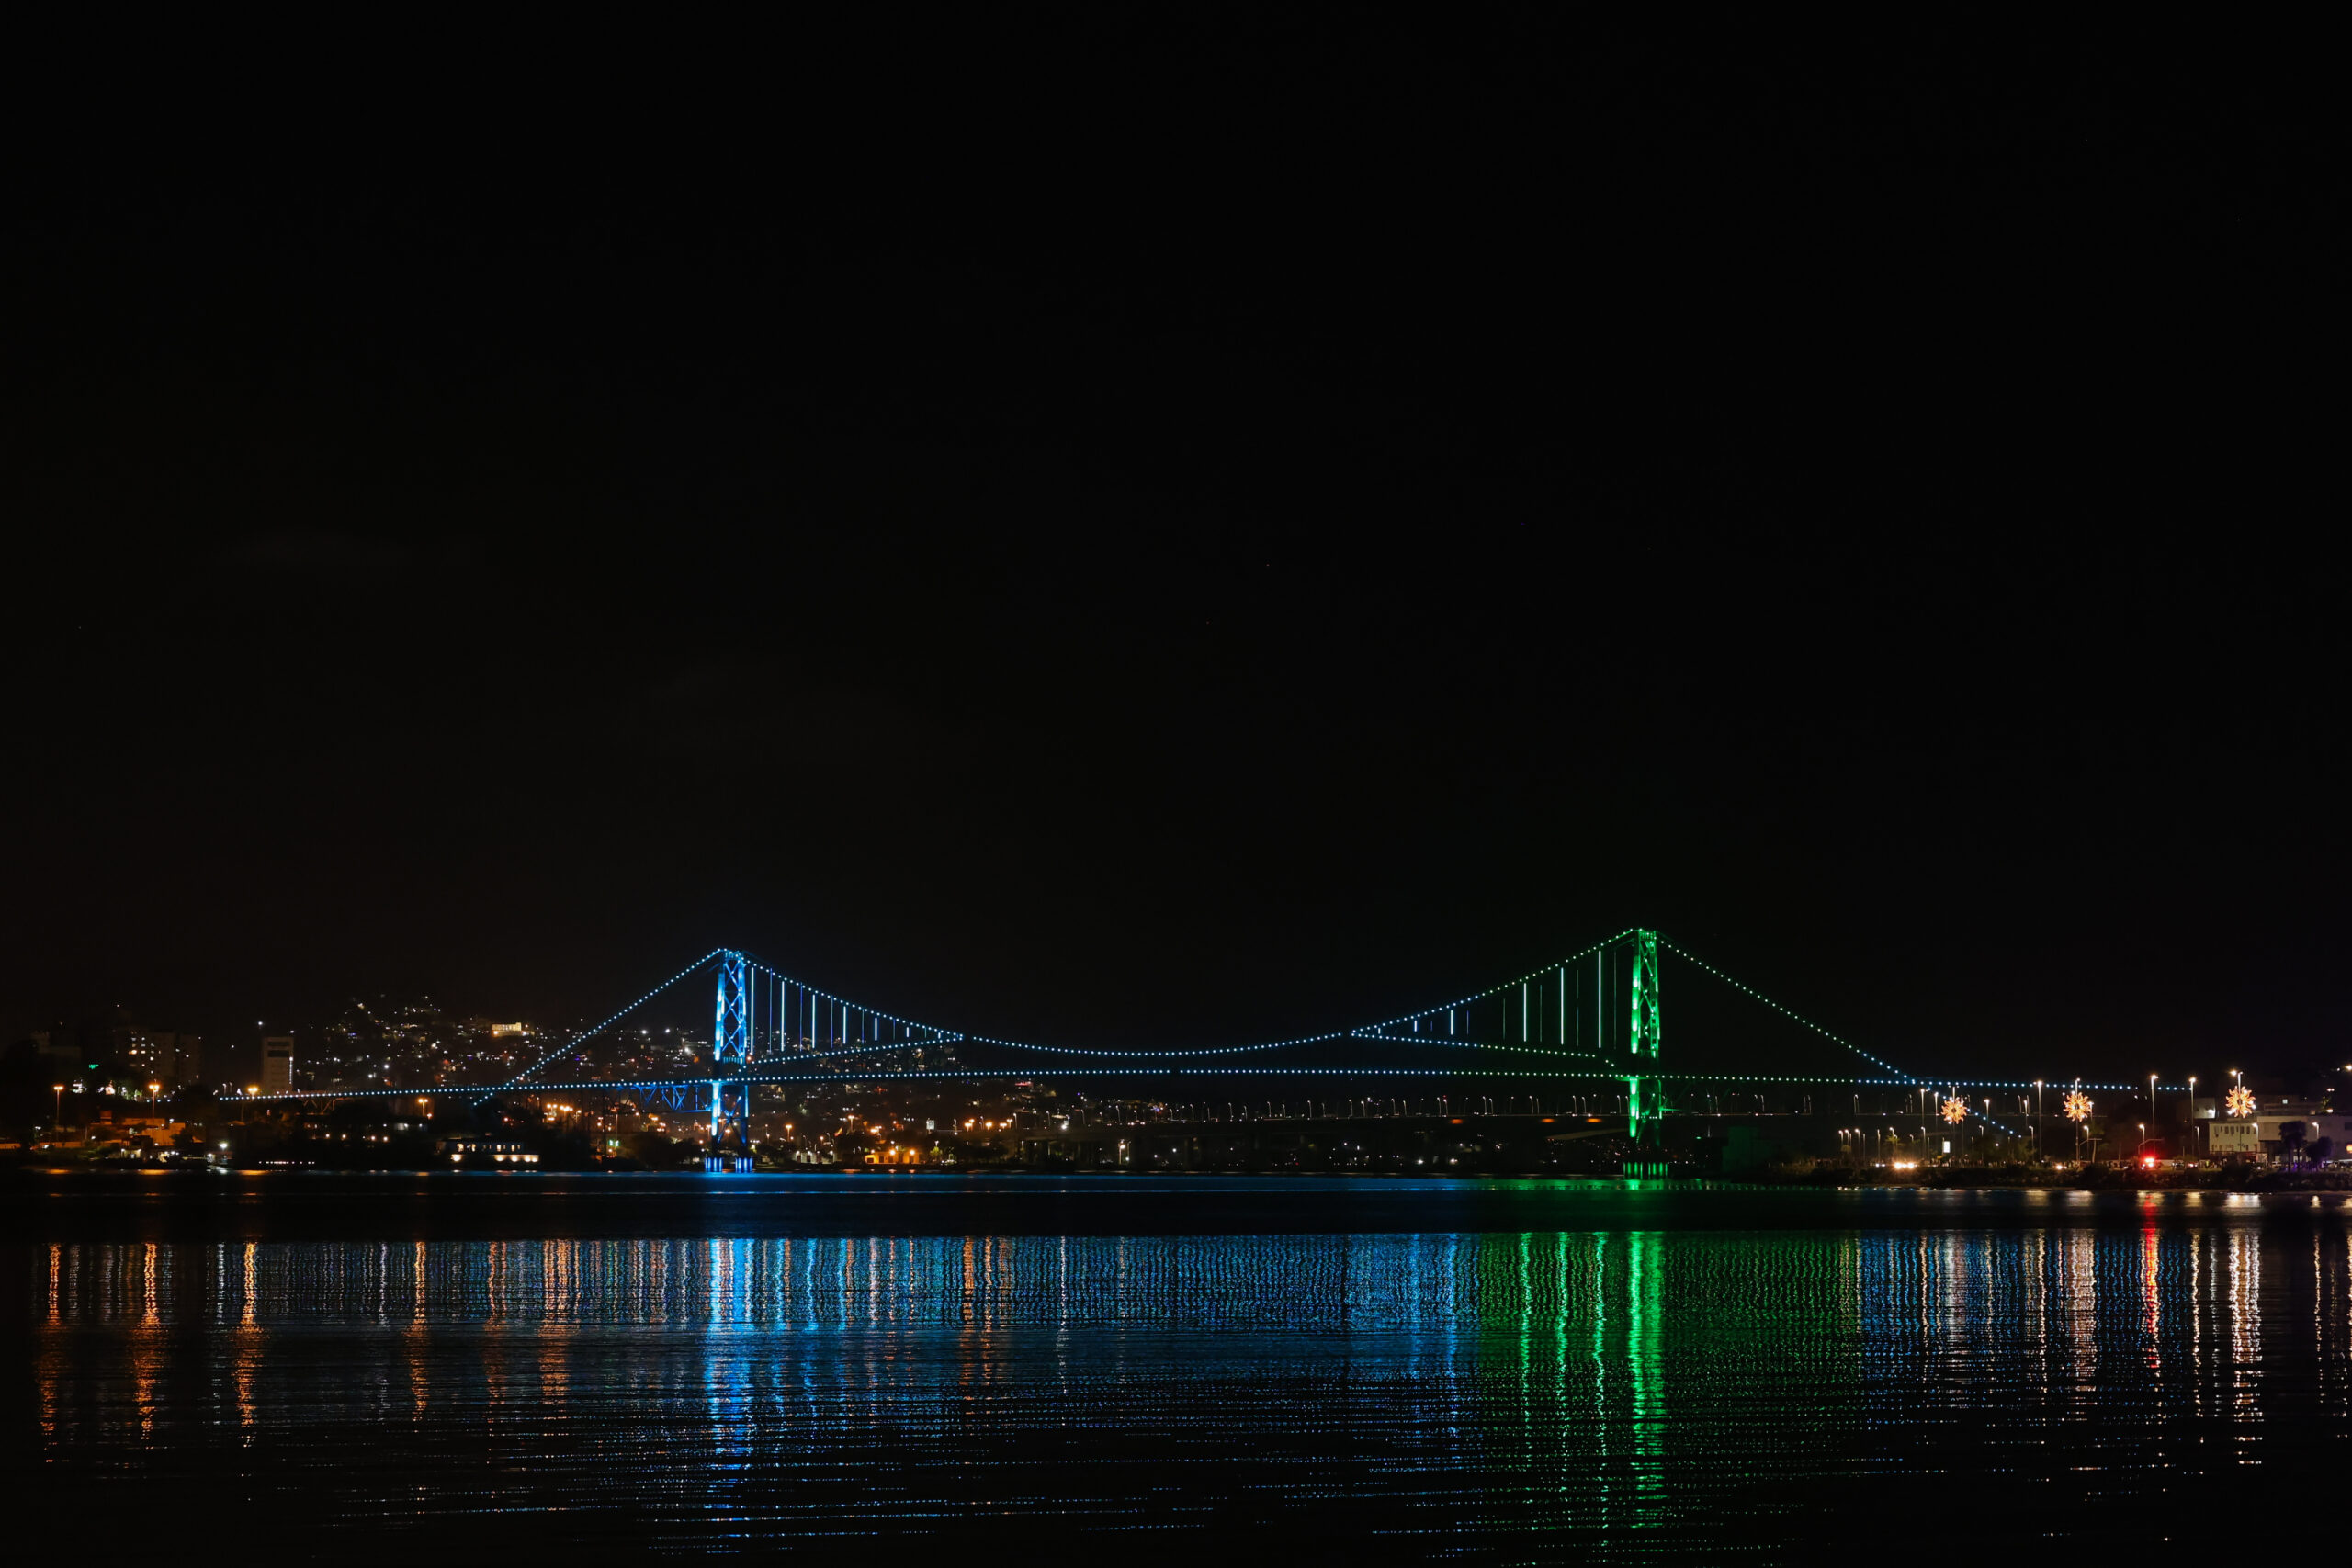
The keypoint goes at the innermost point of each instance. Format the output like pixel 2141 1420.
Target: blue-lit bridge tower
pixel 730 1035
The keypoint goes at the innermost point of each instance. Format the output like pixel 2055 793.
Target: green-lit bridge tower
pixel 1645 1094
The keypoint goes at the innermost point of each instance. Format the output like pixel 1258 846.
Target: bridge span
pixel 1587 1030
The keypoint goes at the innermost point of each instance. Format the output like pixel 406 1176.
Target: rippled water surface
pixel 459 1368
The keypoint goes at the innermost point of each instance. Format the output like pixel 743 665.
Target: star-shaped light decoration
pixel 2241 1101
pixel 2078 1106
pixel 1955 1109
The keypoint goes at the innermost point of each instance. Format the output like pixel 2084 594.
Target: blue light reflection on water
pixel 2076 1367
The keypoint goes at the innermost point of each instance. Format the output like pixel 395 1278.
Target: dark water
pixel 461 1369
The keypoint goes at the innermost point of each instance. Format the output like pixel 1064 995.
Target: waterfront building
pixel 277 1063
pixel 2233 1137
pixel 2333 1127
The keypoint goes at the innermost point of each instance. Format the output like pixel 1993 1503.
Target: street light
pixel 57 1106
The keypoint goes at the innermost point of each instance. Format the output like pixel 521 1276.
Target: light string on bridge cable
pixel 776 1075
pixel 1785 1012
pixel 815 993
pixel 847 1011
pixel 590 1033
pixel 862 1048
pixel 1187 1051
pixel 771 1074
pixel 852 1024
pixel 760 1076
pixel 1474 1044
pixel 2046 1083
pixel 946 1036
pixel 1447 1007
pixel 1284 1044
pixel 1903 1078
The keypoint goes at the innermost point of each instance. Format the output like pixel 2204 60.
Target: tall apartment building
pixel 160 1055
pixel 277 1063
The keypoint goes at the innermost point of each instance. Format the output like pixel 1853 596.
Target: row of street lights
pixel 2079 1107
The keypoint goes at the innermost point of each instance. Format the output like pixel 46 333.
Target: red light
pixel 2148 1162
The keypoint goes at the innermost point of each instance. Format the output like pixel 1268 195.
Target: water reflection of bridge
pixel 1637 1352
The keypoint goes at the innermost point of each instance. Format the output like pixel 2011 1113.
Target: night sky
pixel 1187 533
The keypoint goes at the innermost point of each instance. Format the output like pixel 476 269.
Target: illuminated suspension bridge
pixel 1592 1018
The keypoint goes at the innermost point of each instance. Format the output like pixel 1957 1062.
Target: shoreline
pixel 2266 1184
